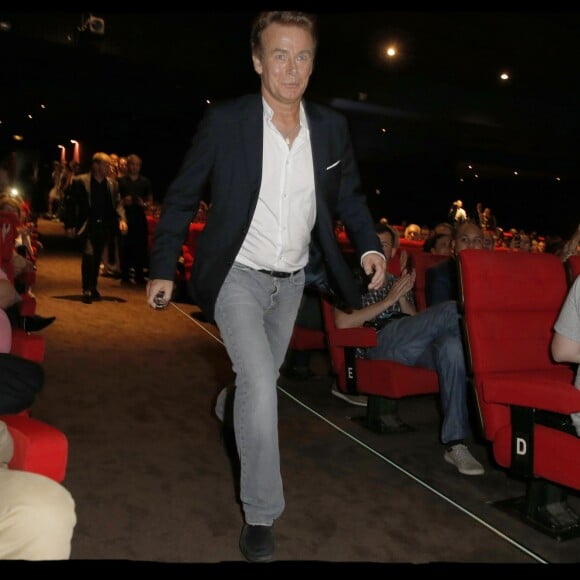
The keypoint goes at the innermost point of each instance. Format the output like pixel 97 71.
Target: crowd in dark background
pixel 143 85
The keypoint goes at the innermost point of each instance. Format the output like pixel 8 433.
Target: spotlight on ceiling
pixel 96 25
pixel 92 24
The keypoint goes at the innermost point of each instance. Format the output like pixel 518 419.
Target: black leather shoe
pixel 36 323
pixel 257 543
pixel 87 297
pixel 95 295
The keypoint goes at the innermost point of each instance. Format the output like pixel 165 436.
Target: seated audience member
pixel 430 339
pixel 438 244
pixel 9 303
pixel 572 246
pixel 441 281
pixel 136 193
pixel 525 242
pixel 443 228
pixel 565 344
pixel 23 258
pixel 520 241
pixel 488 221
pixel 426 232
pixel 488 240
pixel 412 232
pixel 5 333
pixel 37 515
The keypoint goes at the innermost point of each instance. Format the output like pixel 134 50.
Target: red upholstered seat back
pixel 394 265
pixel 411 245
pixel 304 338
pixel 189 247
pixel 38 446
pixel 336 340
pixel 510 303
pixel 383 378
pixel 151 223
pixel 336 353
pixel 195 228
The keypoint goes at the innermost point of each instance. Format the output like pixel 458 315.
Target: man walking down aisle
pixel 282 170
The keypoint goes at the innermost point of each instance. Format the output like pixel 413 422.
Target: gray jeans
pixel 255 314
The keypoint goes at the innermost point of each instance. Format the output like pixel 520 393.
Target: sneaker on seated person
pixel 461 457
pixel 358 400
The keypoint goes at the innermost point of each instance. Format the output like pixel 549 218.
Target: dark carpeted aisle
pixel 153 471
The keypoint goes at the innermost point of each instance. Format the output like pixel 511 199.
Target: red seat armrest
pixel 38 447
pixel 363 337
pixel 550 395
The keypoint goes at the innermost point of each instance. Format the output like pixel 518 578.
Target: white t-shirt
pixel 568 321
pixel 568 325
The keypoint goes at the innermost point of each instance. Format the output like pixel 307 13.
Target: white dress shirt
pixel 279 234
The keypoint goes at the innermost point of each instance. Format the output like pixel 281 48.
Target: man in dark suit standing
pixel 281 171
pixel 93 213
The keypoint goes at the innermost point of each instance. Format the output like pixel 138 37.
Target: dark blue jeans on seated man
pixel 432 339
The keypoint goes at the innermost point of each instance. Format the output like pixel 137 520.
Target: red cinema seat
pixel 38 447
pixel 382 381
pixel 510 302
pixel 422 261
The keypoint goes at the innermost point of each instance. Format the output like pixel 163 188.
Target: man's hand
pixel 70 232
pixel 375 265
pixel 159 288
pixel 401 286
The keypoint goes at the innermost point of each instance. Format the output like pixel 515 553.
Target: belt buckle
pixel 277 274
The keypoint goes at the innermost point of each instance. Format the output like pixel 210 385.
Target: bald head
pixel 467 235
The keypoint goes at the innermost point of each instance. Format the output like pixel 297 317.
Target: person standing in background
pixel 282 169
pixel 93 213
pixel 457 214
pixel 136 194
pixel 110 260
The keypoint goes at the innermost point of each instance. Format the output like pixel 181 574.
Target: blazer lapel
pixel 252 130
pixel 87 180
pixel 318 139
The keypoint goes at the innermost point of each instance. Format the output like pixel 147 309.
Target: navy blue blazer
pixel 225 159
